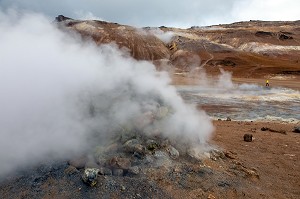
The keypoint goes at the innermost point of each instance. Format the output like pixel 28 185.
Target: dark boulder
pixel 296 129
pixel 60 18
pixel 284 37
pixel 118 172
pixel 263 34
pixel 248 137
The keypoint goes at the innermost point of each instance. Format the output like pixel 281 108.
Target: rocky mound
pixel 135 165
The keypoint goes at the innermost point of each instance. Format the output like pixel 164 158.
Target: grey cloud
pixel 135 12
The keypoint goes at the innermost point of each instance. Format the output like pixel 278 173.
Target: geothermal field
pixel 93 109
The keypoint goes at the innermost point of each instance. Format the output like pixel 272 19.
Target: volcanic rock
pixel 118 172
pixel 162 159
pixel 296 129
pixel 216 154
pixel 61 18
pixel 152 145
pixel 134 170
pixel 120 163
pixel 248 137
pixel 134 145
pixel 105 171
pixel 174 154
pixel 90 176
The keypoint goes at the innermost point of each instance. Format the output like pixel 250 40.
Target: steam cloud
pixel 57 92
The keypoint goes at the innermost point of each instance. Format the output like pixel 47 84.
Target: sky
pixel 155 13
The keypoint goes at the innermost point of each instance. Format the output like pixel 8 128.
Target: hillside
pixel 254 49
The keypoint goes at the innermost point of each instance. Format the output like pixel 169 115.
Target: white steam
pixel 223 81
pixel 87 16
pixel 166 37
pixel 57 92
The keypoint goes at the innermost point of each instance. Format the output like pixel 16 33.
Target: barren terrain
pixel 266 167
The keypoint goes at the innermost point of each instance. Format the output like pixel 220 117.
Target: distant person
pixel 267 83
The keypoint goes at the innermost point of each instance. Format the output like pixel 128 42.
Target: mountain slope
pixel 247 49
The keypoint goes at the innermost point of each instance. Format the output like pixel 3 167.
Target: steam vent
pixel 96 109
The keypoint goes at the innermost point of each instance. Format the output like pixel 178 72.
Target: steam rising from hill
pixel 58 92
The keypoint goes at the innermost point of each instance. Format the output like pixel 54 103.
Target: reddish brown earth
pixel 272 157
pixel 267 167
pixel 253 49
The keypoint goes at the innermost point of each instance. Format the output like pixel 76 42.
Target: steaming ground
pixel 245 102
pixel 59 93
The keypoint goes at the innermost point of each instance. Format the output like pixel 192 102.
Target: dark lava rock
pixel 152 145
pixel 248 137
pixel 284 37
pixel 174 154
pixel 228 119
pixel 134 170
pixel 120 163
pixel 118 172
pixel 264 129
pixel 105 171
pixel 134 145
pixel 60 18
pixel 296 129
pixel 263 34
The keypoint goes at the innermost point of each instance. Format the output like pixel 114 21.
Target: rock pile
pixel 131 150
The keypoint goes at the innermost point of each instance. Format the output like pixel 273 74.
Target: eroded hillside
pixel 252 49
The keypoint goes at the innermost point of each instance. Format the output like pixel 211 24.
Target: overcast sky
pixel 164 12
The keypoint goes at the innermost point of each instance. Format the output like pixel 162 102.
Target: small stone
pixel 210 196
pixel 148 159
pixel 134 170
pixel 264 129
pixel 248 137
pixel 134 145
pixel 105 171
pixel 216 154
pixel 174 154
pixel 152 145
pixel 228 119
pixel 123 188
pixel 120 163
pixel 162 159
pixel 117 172
pixel 90 176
